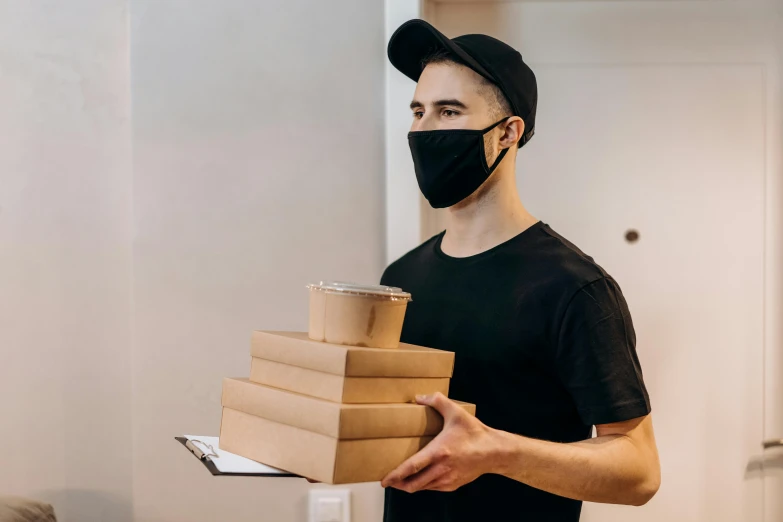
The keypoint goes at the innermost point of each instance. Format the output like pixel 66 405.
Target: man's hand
pixel 459 454
pixel 619 466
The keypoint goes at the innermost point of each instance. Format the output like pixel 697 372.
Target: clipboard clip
pixel 200 454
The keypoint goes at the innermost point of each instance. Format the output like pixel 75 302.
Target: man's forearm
pixel 612 468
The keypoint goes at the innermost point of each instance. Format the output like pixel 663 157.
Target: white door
pixel 664 118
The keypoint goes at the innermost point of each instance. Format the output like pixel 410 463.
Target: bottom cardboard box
pixel 313 455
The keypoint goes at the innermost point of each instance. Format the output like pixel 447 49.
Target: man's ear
pixel 513 130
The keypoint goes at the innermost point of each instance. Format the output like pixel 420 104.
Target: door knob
pixel 772 443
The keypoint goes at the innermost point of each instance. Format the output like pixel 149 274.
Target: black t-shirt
pixel 544 347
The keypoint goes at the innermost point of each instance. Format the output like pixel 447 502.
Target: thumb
pixel 440 402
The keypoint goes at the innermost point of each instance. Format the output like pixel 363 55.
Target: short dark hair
pixel 498 103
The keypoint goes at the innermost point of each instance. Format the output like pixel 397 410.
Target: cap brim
pixel 415 40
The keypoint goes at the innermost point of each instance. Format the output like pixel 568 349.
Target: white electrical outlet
pixel 330 505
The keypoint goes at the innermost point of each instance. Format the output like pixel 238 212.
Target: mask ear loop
pixel 484 131
pixel 497 160
pixel 503 152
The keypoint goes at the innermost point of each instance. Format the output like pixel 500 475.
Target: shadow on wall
pixel 85 505
pixel 765 465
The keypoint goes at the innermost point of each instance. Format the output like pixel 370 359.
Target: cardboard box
pixel 339 388
pixel 314 455
pixel 340 421
pixel 297 349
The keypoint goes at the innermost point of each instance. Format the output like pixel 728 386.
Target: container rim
pixel 381 291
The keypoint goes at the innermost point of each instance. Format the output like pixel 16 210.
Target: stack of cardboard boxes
pixel 331 411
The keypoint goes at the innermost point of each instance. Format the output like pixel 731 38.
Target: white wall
pixel 258 166
pixel 64 256
pixel 403 214
pixel 135 259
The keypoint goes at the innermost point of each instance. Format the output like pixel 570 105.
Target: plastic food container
pixel 357 315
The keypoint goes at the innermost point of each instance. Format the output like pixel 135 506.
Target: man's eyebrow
pixel 415 104
pixel 452 102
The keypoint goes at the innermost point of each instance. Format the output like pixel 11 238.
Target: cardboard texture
pixel 339 388
pixel 314 455
pixel 356 320
pixel 297 349
pixel 340 421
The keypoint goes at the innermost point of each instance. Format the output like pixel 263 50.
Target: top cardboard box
pixel 297 349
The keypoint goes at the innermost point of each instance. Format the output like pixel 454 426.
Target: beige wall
pixel 258 157
pixel 171 175
pixel 65 219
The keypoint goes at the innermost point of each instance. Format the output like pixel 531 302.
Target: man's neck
pixel 491 217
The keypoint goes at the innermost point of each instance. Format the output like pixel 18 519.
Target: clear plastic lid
pixel 339 287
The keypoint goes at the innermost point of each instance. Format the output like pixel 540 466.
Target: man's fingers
pixel 438 401
pixel 442 483
pixel 431 474
pixel 413 465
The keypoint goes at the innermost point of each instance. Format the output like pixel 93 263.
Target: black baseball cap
pixel 496 61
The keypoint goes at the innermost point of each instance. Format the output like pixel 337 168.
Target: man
pixel 543 337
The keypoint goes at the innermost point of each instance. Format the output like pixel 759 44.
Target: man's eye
pixel 418 115
pixel 449 113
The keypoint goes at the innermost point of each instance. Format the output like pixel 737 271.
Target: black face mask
pixel 451 164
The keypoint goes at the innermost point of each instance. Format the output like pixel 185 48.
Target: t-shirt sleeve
pixel 596 356
pixel 388 277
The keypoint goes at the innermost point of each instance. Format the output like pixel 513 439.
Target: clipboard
pixel 206 450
